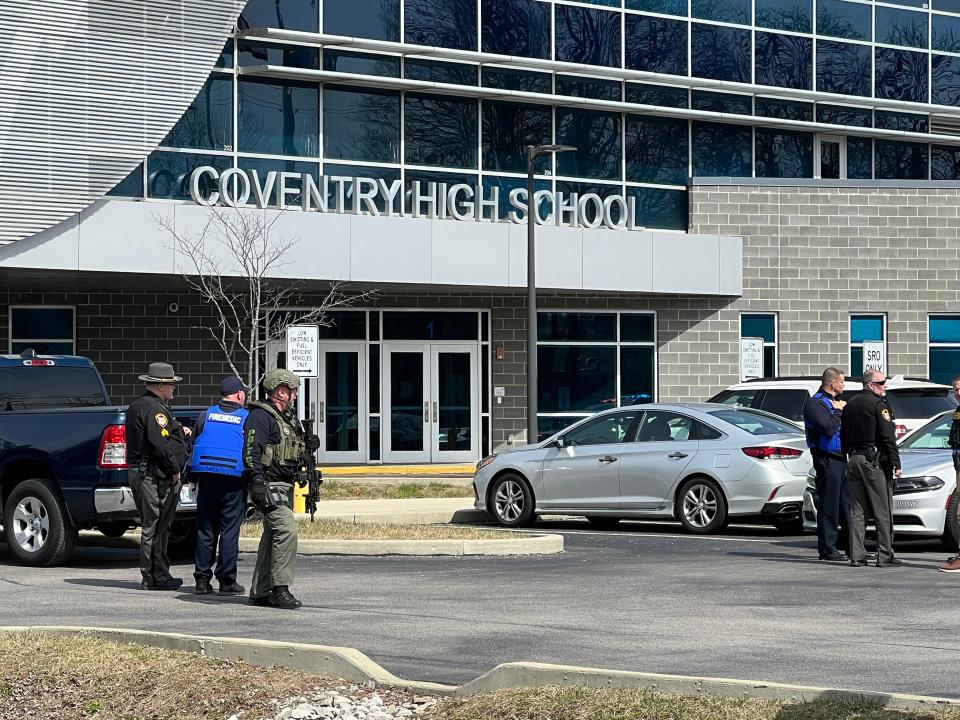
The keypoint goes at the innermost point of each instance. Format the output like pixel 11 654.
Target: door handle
pixel 434 410
pixel 426 411
pixel 320 412
pixel 607 459
pixel 676 455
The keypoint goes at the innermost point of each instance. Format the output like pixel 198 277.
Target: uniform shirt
pixel 867 420
pixel 818 416
pixel 954 440
pixel 154 435
pixel 260 430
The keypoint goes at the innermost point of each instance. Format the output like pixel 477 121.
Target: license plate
pixel 188 494
pixel 906 504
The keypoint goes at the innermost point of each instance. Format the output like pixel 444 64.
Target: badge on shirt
pixel 886 414
pixel 161 419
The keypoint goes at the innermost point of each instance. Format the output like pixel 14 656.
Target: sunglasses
pixel 878 382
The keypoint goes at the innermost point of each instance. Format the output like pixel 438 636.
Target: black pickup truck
pixel 63 459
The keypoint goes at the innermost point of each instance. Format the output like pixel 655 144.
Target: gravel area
pixel 354 702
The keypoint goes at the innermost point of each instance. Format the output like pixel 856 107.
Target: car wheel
pixel 36 526
pixel 113 530
pixel 951 526
pixel 512 501
pixel 701 506
pixel 602 522
pixel 792 526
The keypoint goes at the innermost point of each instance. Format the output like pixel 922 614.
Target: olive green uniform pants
pixel 277 554
pixel 869 494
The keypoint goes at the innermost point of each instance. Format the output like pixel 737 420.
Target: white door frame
pixel 390 455
pixel 841 141
pixel 472 454
pixel 319 409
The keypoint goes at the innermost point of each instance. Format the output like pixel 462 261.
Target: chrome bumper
pixel 108 501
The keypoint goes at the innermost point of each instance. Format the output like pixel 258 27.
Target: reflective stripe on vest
pixel 219 449
pixel 824 443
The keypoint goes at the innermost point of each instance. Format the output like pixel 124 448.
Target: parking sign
pixel 874 356
pixel 303 356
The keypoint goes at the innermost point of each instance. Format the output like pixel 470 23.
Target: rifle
pixel 309 475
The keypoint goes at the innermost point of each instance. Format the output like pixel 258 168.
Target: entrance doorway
pixel 431 402
pixel 831 157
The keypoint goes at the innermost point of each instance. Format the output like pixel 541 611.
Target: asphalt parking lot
pixel 746 603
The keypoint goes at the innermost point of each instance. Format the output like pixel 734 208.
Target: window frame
pixel 939 345
pixel 11 339
pixel 776 338
pixel 855 372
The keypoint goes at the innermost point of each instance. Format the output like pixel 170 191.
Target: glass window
pixel 946 33
pixel 945 162
pixel 280 117
pixel 388 175
pixel 644 94
pixel 636 374
pixel 720 53
pixel 361 124
pixel 796 15
pixel 441 72
pixel 944 329
pixel 863 327
pixel 946 80
pixel 523 80
pixel 731 11
pixel 785 403
pixel 576 377
pixel 722 102
pixel 286 14
pixel 516 27
pixel 440 130
pixel 920 402
pixel 659 208
pixel 836 18
pixel 843 68
pixel 754 423
pixel 208 123
pixel 636 327
pixel 226 55
pixel 267 165
pixel 901 160
pixel 859 158
pixel 947 5
pixel 944 350
pixel 656 44
pixel 761 325
pixel 934 436
pixel 508 128
pixel 576 327
pixel 722 150
pixel 705 432
pixel 838 115
pixel 784 153
pixel 505 184
pixel 666 7
pixel 250 52
pixel 41 323
pixel 430 326
pixel 784 60
pixel 737 398
pixel 664 426
pixel 901 27
pixel 374 19
pixel 609 429
pixel 168 173
pixel 548 425
pixel 58 386
pixel 596 135
pixel 596 88
pixel 130 186
pixel 901 75
pixel 585 35
pixel 413 175
pixel 601 190
pixel 657 149
pixel 901 121
pixel 786 109
pixel 441 23
pixel 361 63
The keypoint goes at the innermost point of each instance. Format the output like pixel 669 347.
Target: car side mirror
pixel 558 443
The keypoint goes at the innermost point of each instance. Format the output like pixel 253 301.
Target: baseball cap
pixel 231 385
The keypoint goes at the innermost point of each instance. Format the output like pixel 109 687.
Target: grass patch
pixel 347 490
pixel 324 529
pixel 580 703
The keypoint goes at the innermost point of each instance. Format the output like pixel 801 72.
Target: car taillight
pixel 113 448
pixel 901 430
pixel 38 363
pixel 769 451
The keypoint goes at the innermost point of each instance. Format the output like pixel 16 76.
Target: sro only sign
pixel 303 350
pixel 874 356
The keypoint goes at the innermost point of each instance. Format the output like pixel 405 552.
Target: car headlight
pixel 812 479
pixel 923 483
pixel 486 461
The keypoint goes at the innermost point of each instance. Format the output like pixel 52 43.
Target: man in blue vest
pixel 217 466
pixel 821 419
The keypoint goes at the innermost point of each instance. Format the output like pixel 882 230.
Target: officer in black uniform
pixel 156 451
pixel 869 439
pixel 953 562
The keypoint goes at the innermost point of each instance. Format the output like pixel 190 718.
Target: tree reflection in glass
pixel 441 23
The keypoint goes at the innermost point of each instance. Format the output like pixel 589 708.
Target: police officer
pixel 868 437
pixel 821 418
pixel 953 563
pixel 217 466
pixel 273 448
pixel 156 451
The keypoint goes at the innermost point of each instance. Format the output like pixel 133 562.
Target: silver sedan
pixel 700 463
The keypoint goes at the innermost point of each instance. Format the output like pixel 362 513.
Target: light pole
pixel 533 152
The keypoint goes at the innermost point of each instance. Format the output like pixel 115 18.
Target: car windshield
pixel 932 436
pixel 754 423
pixel 914 402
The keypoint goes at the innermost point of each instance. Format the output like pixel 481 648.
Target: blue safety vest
pixel 823 443
pixel 219 449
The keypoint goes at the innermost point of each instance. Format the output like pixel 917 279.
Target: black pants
pixel 834 503
pixel 221 502
pixel 869 492
pixel 156 498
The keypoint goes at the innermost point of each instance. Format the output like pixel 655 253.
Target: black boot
pixel 203 587
pixel 280 597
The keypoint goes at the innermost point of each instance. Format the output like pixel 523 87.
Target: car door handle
pixel 607 459
pixel 676 455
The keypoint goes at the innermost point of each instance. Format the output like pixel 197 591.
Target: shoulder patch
pixel 886 414
pixel 161 419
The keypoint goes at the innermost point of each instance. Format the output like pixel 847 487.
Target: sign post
pixel 751 358
pixel 875 356
pixel 303 350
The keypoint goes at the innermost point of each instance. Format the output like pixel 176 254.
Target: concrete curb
pixel 354 666
pixel 521 545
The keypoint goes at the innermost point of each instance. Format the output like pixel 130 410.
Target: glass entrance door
pixel 831 157
pixel 431 398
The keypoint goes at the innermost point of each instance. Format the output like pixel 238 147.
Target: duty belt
pixel 863 449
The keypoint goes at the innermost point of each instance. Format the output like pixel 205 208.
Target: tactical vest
pixel 219 448
pixel 290 448
pixel 824 443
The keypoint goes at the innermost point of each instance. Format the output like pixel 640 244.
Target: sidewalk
pixel 436 473
pixel 418 511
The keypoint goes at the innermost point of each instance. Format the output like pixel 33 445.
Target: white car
pixel 701 464
pixel 912 400
pixel 925 500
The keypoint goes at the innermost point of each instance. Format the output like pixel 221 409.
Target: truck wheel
pixel 183 539
pixel 36 526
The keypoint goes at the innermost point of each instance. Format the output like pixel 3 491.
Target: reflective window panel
pixel 760 326
pixel 508 128
pixel 660 208
pixel 130 186
pixel 226 56
pixel 786 109
pixel 441 23
pixel 388 175
pixel 592 214
pixel 440 130
pixel 836 18
pixel 644 94
pixel 505 184
pixel 667 7
pixel 636 327
pixel 946 33
pixel 901 27
pixel 280 117
pixel 901 121
pixel 585 35
pixel 403 325
pixel 576 377
pixel 901 75
pixel 286 14
pixel 943 363
pixel 656 44
pixel 944 329
pixel 208 123
pixel 441 72
pixel 722 150
pixel 839 115
pixel 599 89
pixel 866 327
pixel 720 53
pixel 250 52
pixel 168 173
pixel 796 15
pixel 722 102
pixel 361 124
pixel 731 11
pixel 946 80
pixel 947 5
pixel 523 80
pixel 859 158
pixel 657 149
pixel 263 166
pixel 576 327
pixel 944 162
pixel 900 160
pixel 636 375
pixel 424 177
pixel 843 68
pixel 516 27
pixel 374 19
pixel 596 135
pixel 784 60
pixel 361 63
pixel 784 153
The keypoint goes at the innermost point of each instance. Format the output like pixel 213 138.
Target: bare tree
pixel 233 263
